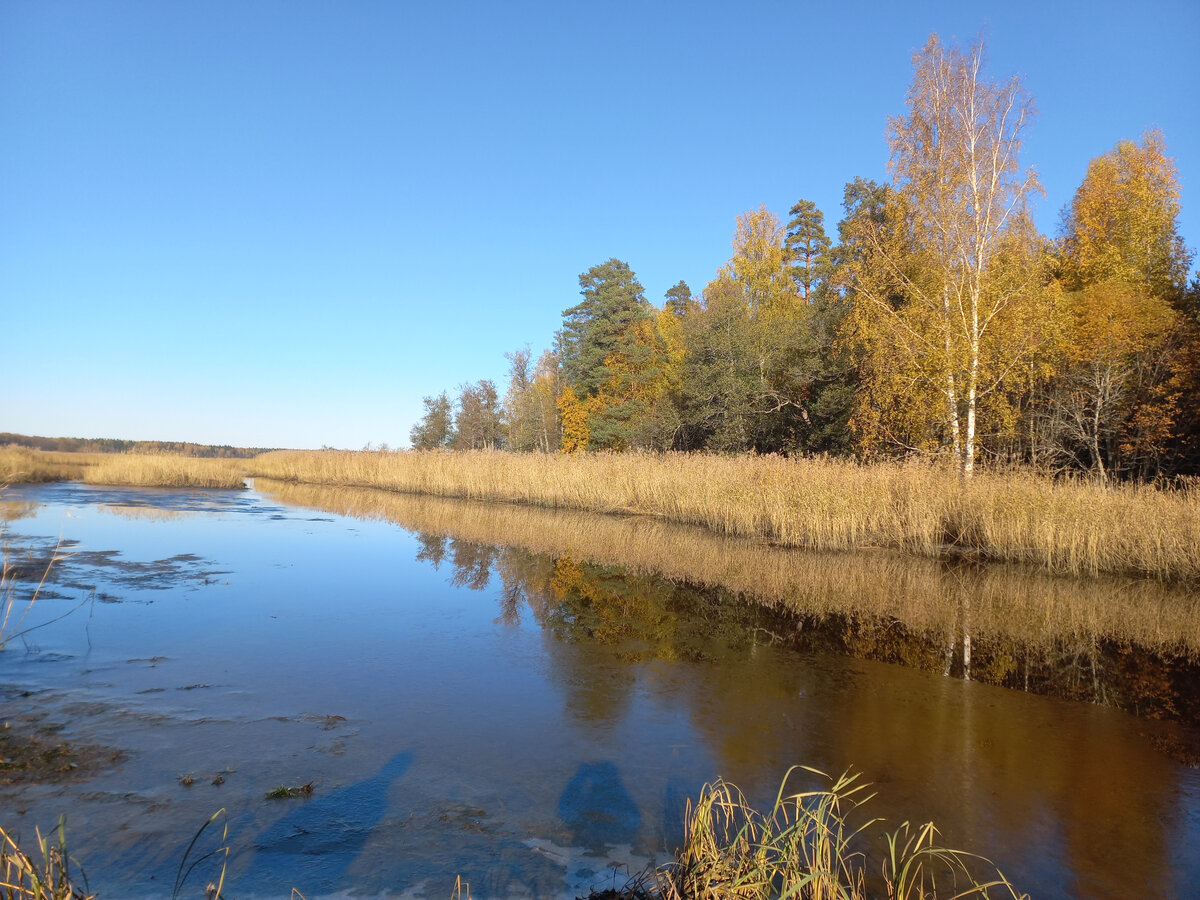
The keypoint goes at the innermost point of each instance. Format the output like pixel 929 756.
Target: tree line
pixel 116 445
pixel 937 320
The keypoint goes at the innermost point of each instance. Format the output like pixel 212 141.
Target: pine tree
pixel 807 246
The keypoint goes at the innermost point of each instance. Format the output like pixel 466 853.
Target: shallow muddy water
pixel 528 698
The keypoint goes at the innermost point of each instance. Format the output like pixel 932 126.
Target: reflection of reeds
pixel 166 471
pixel 9 618
pixel 926 595
pixel 146 513
pixel 809 845
pixel 1068 526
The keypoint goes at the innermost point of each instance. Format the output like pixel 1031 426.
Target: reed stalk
pixel 24 878
pixel 813 845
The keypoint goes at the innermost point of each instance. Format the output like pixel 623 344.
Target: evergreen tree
pixel 807 247
pixel 604 322
pixel 679 300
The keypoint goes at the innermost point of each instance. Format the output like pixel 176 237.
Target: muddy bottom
pixel 34 749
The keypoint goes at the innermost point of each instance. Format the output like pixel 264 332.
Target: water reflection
pixel 668 592
pixel 620 599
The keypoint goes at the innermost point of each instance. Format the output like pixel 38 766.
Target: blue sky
pixel 283 223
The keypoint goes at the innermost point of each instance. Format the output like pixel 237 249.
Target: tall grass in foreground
pixel 24 878
pixel 808 845
pixel 1069 526
pixel 166 471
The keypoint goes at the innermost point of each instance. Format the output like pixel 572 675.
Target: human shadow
pixel 597 809
pixel 316 843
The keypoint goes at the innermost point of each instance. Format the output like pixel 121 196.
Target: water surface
pixel 527 698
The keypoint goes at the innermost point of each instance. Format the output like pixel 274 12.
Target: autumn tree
pixel 1121 224
pixel 613 360
pixel 573 413
pixel 633 408
pixel 751 348
pixel 929 277
pixel 435 430
pixel 1128 384
pixel 1115 335
pixel 479 423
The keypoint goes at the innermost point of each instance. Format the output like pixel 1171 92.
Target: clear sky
pixel 283 223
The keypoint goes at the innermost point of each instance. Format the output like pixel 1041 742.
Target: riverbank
pixel 1071 526
pixel 21 465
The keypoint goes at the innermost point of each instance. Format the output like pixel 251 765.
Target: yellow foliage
pixel 1121 225
pixel 759 262
pixel 573 414
pixel 674 343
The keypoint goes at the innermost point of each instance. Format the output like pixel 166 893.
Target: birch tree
pixel 956 173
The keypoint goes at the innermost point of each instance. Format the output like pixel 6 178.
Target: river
pixel 528 698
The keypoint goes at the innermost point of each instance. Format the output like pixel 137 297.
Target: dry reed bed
pixel 1003 601
pixel 166 471
pixel 1071 526
pixel 21 465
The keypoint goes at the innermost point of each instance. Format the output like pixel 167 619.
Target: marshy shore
pixel 1068 526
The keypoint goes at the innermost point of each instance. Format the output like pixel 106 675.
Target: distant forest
pixel 113 445
pixel 937 320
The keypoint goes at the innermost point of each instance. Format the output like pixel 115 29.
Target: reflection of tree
pixel 1023 607
pixel 760 690
pixel 433 549
pixel 641 617
pixel 472 564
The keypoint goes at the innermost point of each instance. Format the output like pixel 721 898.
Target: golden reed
pixel 21 465
pixel 1066 526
